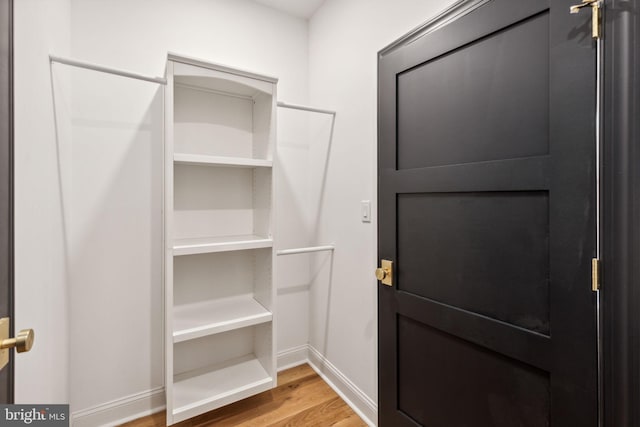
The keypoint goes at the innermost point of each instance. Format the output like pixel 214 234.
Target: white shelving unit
pixel 219 293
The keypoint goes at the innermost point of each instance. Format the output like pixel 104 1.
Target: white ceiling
pixel 299 8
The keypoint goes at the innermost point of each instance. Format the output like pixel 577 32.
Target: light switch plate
pixel 365 210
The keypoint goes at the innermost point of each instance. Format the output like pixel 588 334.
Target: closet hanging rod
pixel 305 108
pixel 109 70
pixel 305 250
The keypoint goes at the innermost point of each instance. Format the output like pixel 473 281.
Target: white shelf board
pixel 203 245
pixel 214 316
pixel 209 388
pixel 205 160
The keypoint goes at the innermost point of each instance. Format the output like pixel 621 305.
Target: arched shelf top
pixel 219 78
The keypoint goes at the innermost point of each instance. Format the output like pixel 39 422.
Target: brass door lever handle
pixel 22 342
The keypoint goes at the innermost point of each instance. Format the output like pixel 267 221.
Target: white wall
pixel 344 38
pixel 112 196
pixel 102 218
pixel 40 252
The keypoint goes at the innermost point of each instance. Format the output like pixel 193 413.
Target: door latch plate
pixel 4 334
pixel 385 273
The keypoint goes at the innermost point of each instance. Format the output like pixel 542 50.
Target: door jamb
pixel 621 215
pixel 7 181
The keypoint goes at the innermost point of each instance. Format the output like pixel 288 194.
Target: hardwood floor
pixel 302 398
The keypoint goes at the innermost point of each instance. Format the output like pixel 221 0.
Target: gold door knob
pixel 22 342
pixel 385 272
pixel 381 273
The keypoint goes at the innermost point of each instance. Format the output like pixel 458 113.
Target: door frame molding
pixel 621 215
pixel 448 15
pixel 7 183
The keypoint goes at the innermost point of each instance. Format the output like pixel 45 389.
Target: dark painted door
pixel 6 184
pixel 487 210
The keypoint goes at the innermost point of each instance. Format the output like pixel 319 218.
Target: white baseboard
pixel 293 357
pixel 366 408
pixel 122 410
pixel 149 402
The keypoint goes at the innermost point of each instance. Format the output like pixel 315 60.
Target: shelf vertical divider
pixel 168 240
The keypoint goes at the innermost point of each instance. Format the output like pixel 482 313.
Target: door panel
pixel 487 100
pixel 476 387
pixel 442 253
pixel 486 207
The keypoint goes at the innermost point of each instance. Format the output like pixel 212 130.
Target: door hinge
pixel 595 274
pixel 596 15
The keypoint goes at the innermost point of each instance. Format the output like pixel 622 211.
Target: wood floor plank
pixel 327 414
pixel 156 420
pixel 263 403
pixel 295 374
pixel 301 398
pixel 288 401
pixel 352 420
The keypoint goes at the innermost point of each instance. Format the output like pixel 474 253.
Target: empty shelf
pixel 205 160
pixel 214 316
pixel 204 245
pixel 206 389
